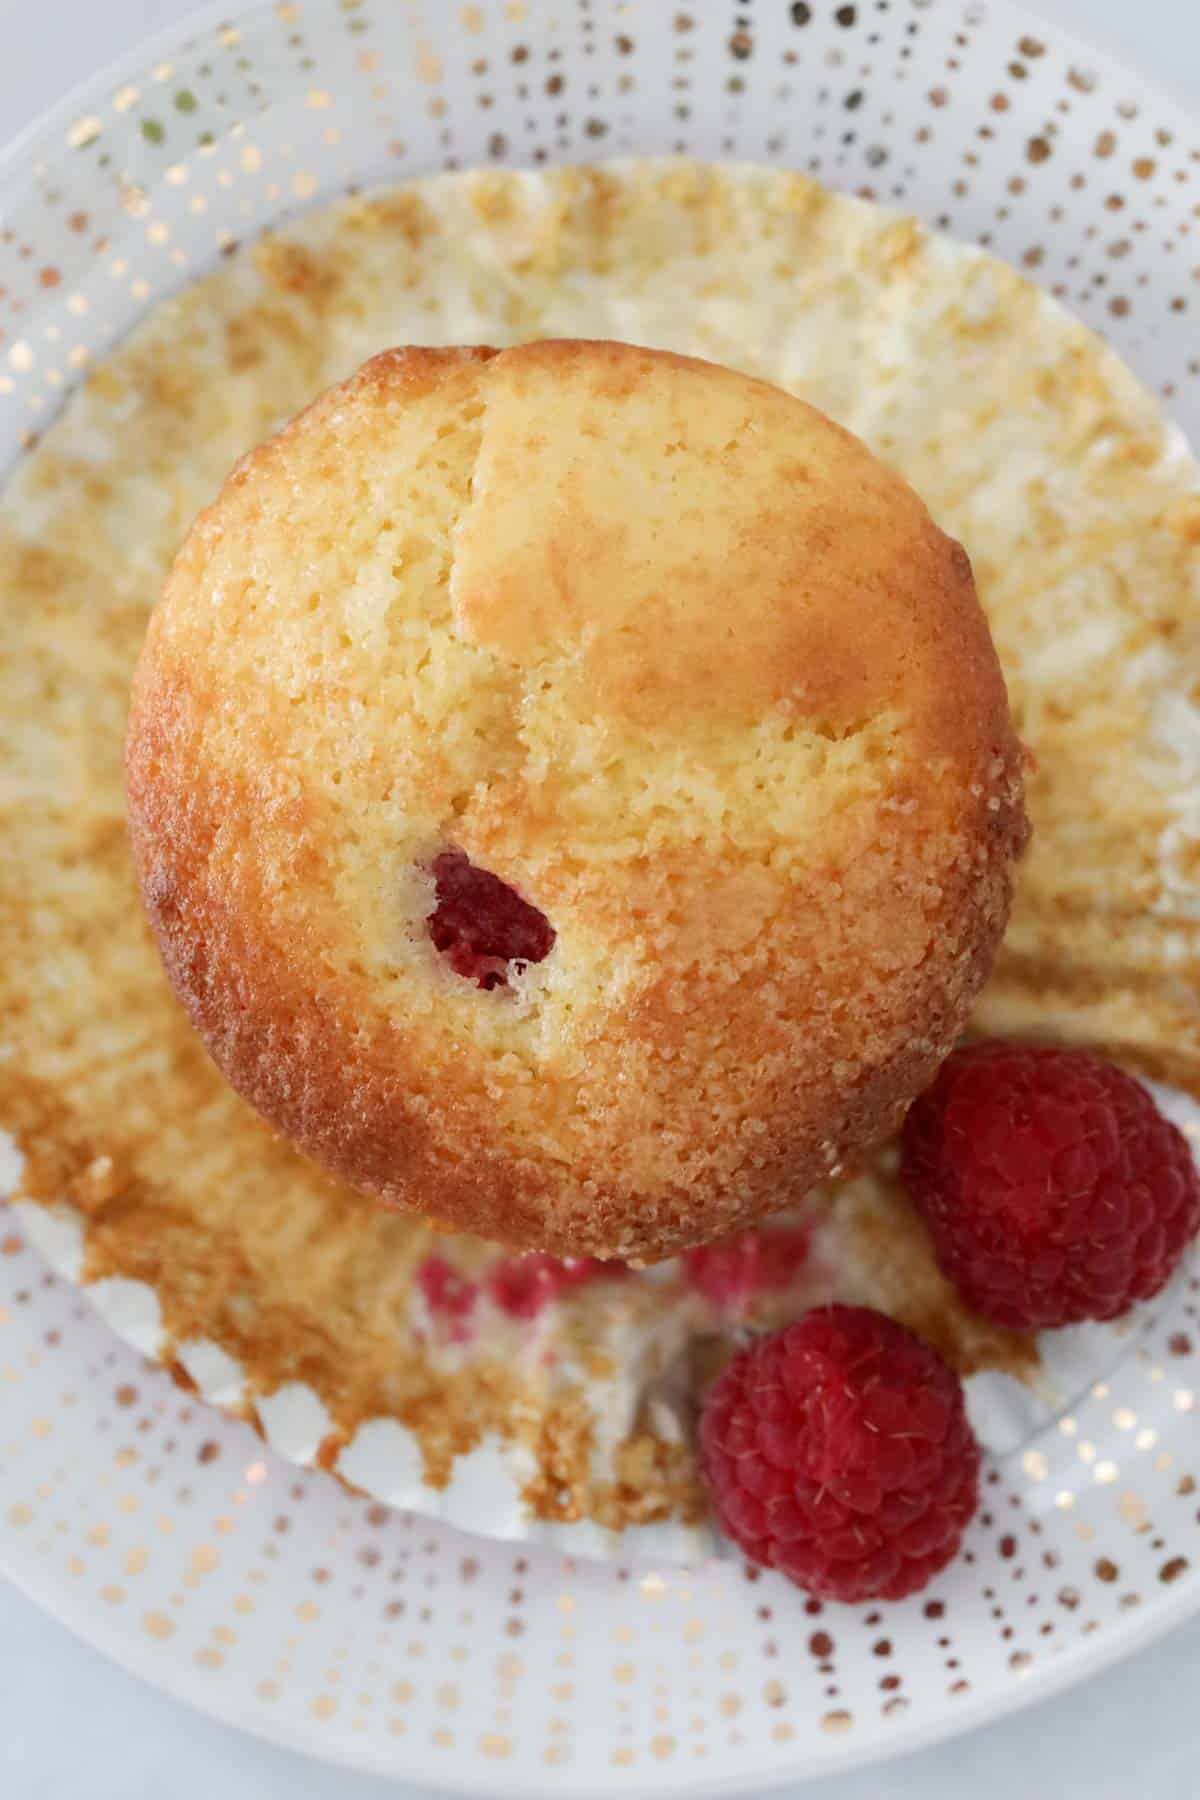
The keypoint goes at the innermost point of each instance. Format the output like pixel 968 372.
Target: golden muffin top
pixel 682 667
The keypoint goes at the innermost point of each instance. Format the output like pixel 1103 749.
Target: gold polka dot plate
pixel 909 210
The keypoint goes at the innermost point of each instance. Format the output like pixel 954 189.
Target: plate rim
pixel 1085 1657
pixel 1082 1659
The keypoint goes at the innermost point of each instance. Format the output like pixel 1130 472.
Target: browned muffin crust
pixel 671 654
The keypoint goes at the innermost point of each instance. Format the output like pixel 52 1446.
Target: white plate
pixel 162 1531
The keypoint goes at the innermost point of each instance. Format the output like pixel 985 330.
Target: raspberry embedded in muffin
pixel 481 925
pixel 691 714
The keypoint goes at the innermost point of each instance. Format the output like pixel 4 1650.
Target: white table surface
pixel 73 1727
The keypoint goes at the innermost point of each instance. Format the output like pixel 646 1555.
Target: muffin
pixel 573 792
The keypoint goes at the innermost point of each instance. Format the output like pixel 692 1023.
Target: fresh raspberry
pixel 1053 1188
pixel 838 1452
pixel 481 925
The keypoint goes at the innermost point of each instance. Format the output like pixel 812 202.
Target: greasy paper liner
pixel 483 1496
pixel 485 1490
